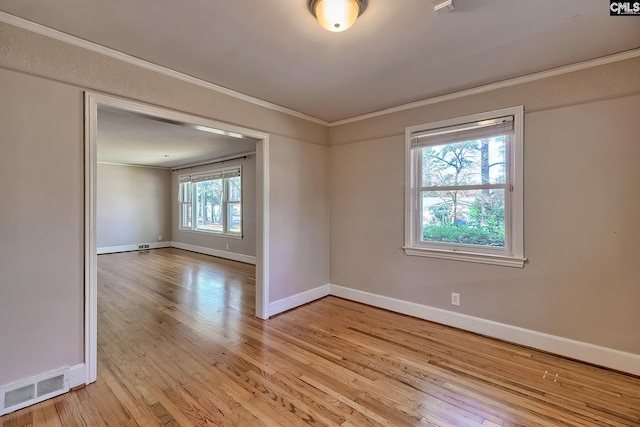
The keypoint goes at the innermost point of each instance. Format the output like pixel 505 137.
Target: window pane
pixel 464 163
pixel 209 205
pixel 474 217
pixel 235 189
pixel 234 215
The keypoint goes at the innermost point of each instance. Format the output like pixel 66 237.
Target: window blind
pixel 184 191
pixel 466 132
pixel 231 173
pixel 208 176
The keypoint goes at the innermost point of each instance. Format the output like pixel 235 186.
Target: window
pixel 212 202
pixel 464 189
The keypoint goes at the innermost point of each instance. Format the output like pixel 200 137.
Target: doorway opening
pixel 94 104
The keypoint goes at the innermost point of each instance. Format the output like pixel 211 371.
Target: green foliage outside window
pixel 464 215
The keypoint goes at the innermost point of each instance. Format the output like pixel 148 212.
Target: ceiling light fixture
pixel 337 15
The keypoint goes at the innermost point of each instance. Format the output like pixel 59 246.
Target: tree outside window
pixel 464 189
pixel 212 202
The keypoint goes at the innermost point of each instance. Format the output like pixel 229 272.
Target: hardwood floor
pixel 178 345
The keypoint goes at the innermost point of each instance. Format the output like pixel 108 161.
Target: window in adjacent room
pixel 211 202
pixel 464 194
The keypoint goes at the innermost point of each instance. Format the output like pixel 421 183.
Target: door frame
pixel 91 103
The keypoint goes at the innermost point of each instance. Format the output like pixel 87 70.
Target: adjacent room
pixel 154 173
pixel 319 212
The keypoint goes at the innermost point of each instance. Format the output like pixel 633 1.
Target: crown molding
pixel 112 53
pixel 133 165
pixel 96 48
pixel 630 54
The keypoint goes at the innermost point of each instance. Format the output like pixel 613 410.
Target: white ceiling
pixel 398 52
pixel 133 139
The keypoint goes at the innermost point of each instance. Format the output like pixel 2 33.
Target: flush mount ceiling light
pixel 337 15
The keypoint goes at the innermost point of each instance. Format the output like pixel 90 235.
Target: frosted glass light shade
pixel 337 15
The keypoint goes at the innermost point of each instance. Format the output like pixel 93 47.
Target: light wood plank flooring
pixel 179 346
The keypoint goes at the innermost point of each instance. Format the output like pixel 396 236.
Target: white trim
pixel 590 353
pixel 215 252
pixel 210 233
pixel 32 383
pixel 77 375
pixel 512 255
pixel 92 101
pixel 73 376
pixel 131 165
pixel 480 258
pixel 94 47
pixel 113 101
pixel 213 173
pixel 90 245
pixel 297 300
pixel 262 230
pixel 128 248
pixel 630 54
pixel 187 247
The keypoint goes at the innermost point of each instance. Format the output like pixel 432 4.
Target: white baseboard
pixel 602 356
pixel 77 375
pixel 297 300
pixel 26 391
pixel 215 252
pixel 128 248
pixel 193 248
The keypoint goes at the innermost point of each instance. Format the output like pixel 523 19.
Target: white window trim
pixel 193 229
pixel 513 255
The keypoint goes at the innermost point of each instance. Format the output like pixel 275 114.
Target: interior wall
pixel 299 244
pixel 42 82
pixel 580 211
pixel 244 246
pixel 133 205
pixel 578 283
pixel 41 224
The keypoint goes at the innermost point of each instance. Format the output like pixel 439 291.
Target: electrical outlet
pixel 159 237
pixel 143 246
pixel 455 298
pixel 227 246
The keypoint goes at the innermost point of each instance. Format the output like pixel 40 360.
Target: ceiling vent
pixel 36 389
pixel 443 6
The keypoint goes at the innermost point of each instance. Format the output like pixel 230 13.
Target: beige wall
pixel 244 246
pixel 580 206
pixel 41 226
pixel 299 244
pixel 133 205
pixel 41 246
pixel 582 179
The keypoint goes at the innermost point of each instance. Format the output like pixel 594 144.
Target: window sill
pixel 505 261
pixel 212 233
